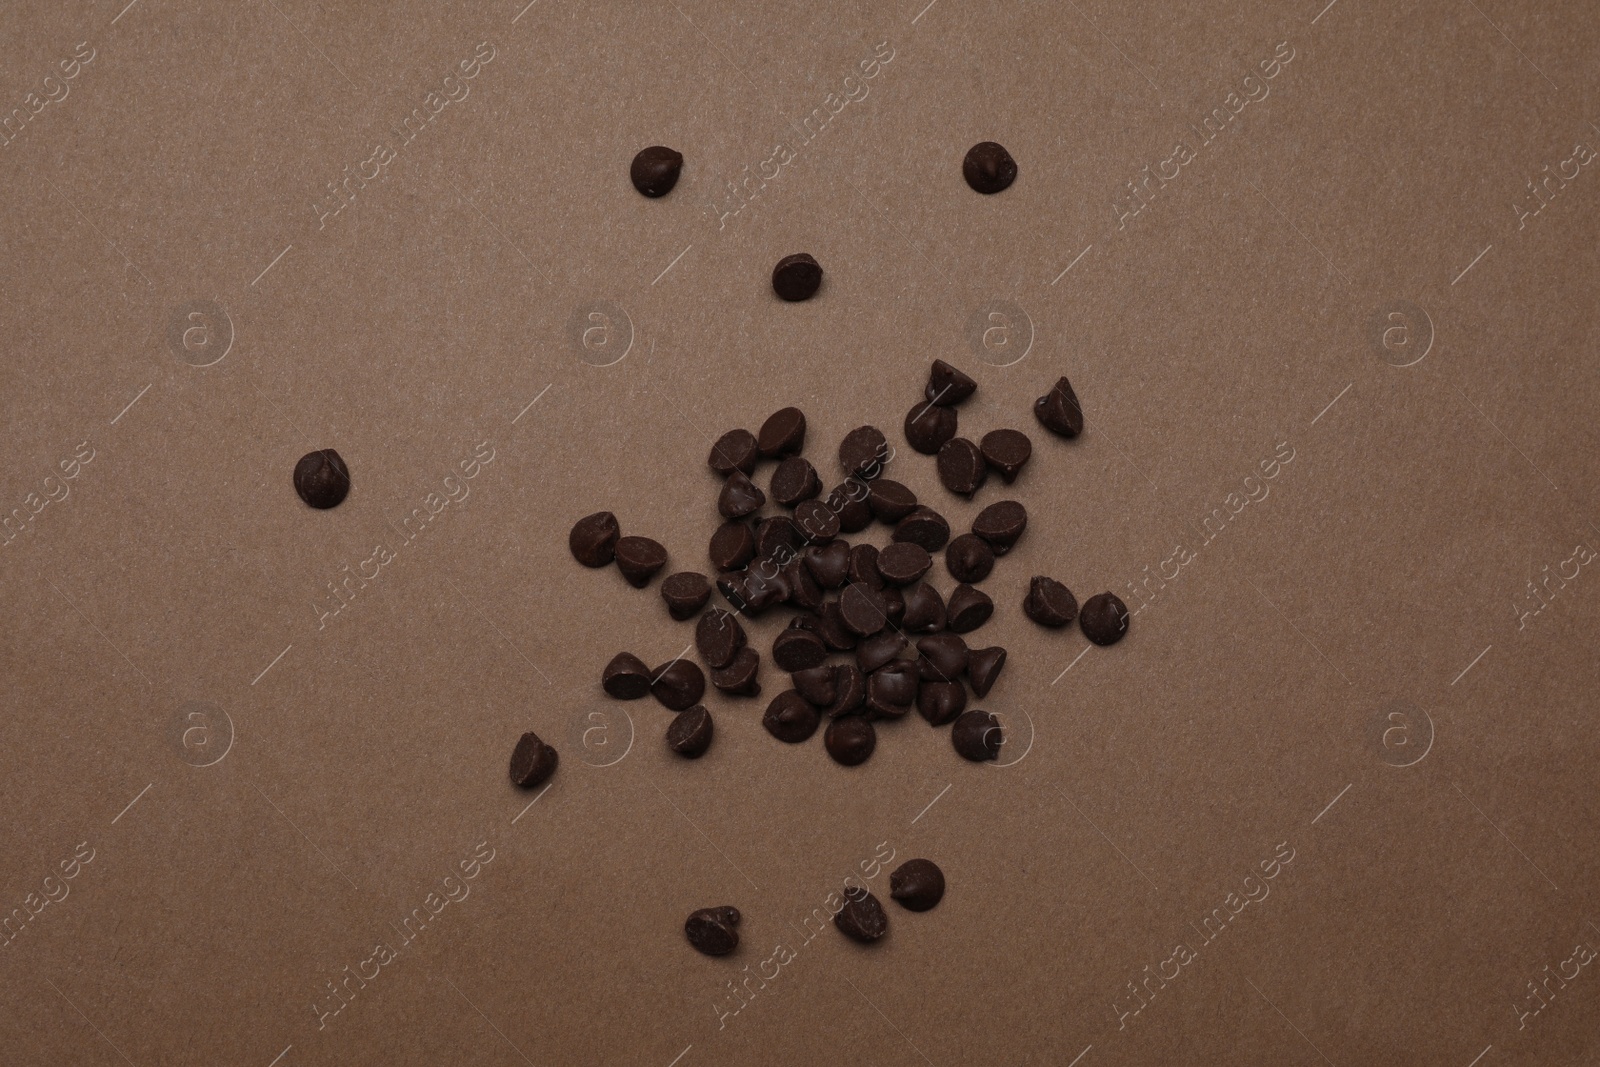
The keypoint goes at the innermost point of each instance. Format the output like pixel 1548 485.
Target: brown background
pixel 1388 563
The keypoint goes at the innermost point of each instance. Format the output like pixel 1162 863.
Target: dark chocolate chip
pixel 890 501
pixel 850 690
pixel 655 170
pixel 983 667
pixel 685 592
pixel 947 386
pixel 894 605
pixel 755 589
pixel 790 717
pixel 944 657
pixel 961 466
pixel 1049 603
pixel 969 558
pixel 917 884
pixel 322 479
pixel 816 684
pixel 798 650
pixel 902 563
pixel 804 592
pixel 1007 451
pixel 863 452
pixel 831 628
pixel 829 564
pixel 879 649
pixel 1104 619
pixel 1001 524
pixel 718 636
pixel 740 496
pixel 794 480
pixel 639 558
pixel 864 566
pixel 532 761
pixel 783 434
pixel 741 677
pixel 1058 410
pixel 925 610
pixel 625 677
pixel 892 689
pixel 977 736
pixel 593 539
pixel 924 527
pixel 817 521
pixel 989 168
pixel 849 501
pixel 862 918
pixel 690 733
pixel 969 609
pixel 941 702
pixel 862 610
pixel 711 930
pixel 850 740
pixel 929 426
pixel 734 451
pixel 679 684
pixel 796 277
pixel 732 546
pixel 778 537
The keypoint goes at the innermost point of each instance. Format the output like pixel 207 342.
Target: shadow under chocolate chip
pixel 322 479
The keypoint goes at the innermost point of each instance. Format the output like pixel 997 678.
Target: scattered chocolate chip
pixel 711 930
pixel 924 527
pixel 832 629
pixel 689 735
pixel 655 170
pixel 322 479
pixel 849 501
pixel 969 609
pixel 947 386
pixel 850 740
pixel 639 558
pixel 1104 619
pixel 732 546
pixel 917 884
pixel 679 684
pixel 929 426
pixel 944 657
pixel 862 610
pixel 734 451
pixel 817 521
pixel 797 650
pixel 1049 603
pixel 1059 412
pixel 796 277
pixel 864 566
pixel 892 689
pixel 532 761
pixel 718 636
pixel 1007 451
pixel 625 677
pixel 969 558
pixel 816 684
pixel 593 539
pixel 862 918
pixel 925 610
pixel 879 649
pixel 850 690
pixel 989 168
pixel 739 678
pixel 685 592
pixel 794 480
pixel 829 564
pixel 1001 524
pixel 863 452
pixel 941 702
pixel 902 563
pixel 740 496
pixel 961 466
pixel 783 434
pixel 790 717
pixel 977 736
pixel 776 534
pixel 983 667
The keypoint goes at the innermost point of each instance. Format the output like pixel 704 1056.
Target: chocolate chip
pixel 776 534
pixel 794 480
pixel 740 496
pixel 1049 603
pixel 734 451
pixel 929 426
pixel 983 667
pixel 690 733
pixel 1007 451
pixel 796 277
pixel 917 884
pixel 732 546
pixel 797 650
pixel 862 610
pixel 944 657
pixel 321 478
pixel 1104 619
pixel 832 629
pixel 817 521
pixel 969 558
pixel 655 170
pixel 741 677
pixel 962 469
pixel 790 717
pixel 879 649
pixel 804 592
pixel 989 168
pixel 816 684
pixel 829 564
pixel 783 434
pixel 1001 524
pixel 902 563
pixel 679 684
pixel 969 609
pixel 941 702
pixel 1059 412
pixel 718 636
pixel 892 689
pixel 593 539
pixel 925 609
pixel 864 566
pixel 685 592
pixel 890 501
pixel 752 592
pixel 924 527
pixel 947 386
pixel 532 761
pixel 850 690
pixel 639 558
pixel 863 452
pixel 894 605
pixel 850 740
pixel 977 736
pixel 849 501
pixel 625 677
pixel 711 930
pixel 862 918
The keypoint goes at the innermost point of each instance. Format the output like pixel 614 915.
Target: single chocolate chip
pixel 983 667
pixel 969 558
pixel 1001 524
pixel 879 649
pixel 322 479
pixel 593 539
pixel 890 501
pixel 734 451
pixel 783 434
pixel 741 677
pixel 639 558
pixel 625 677
pixel 816 684
pixel 679 684
pixel 778 533
pixel 989 168
pixel 917 884
pixel 740 496
pixel 947 386
pixel 718 636
pixel 924 527
pixel 794 480
pixel 944 657
pixel 1104 619
pixel 1049 603
pixel 798 650
pixel 892 689
pixel 711 930
pixel 655 170
pixel 732 546
pixel 929 426
pixel 864 566
pixel 1007 451
pixel 941 702
pixel 817 521
pixel 532 761
pixel 850 740
pixel 961 466
pixel 925 610
pixel 685 592
pixel 796 277
pixel 862 918
pixel 969 609
pixel 902 563
pixel 977 736
pixel 829 564
pixel 804 592
pixel 1058 410
pixel 862 610
pixel 850 690
pixel 863 452
pixel 832 629
pixel 849 501
pixel 790 717
pixel 690 733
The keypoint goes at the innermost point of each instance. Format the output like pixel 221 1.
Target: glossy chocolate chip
pixel 741 678
pixel 863 452
pixel 639 558
pixel 593 539
pixel 892 689
pixel 625 677
pixel 832 629
pixel 849 501
pixel 917 884
pixel 797 277
pixel 962 469
pixel 790 717
pixel 783 434
pixel 944 657
pixel 1104 619
pixel 794 480
pixel 1049 603
pixel 816 684
pixel 947 386
pixel 924 527
pixel 890 501
pixel 1007 451
pixel 798 650
pixel 1059 412
pixel 969 558
pixel 902 563
pixel 941 702
pixel 925 610
pixel 718 636
pixel 733 545
pixel 678 685
pixel 929 426
pixel 655 170
pixel 862 610
pixel 864 566
pixel 689 735
pixel 1001 524
pixel 879 649
pixel 711 930
pixel 983 667
pixel 734 451
pixel 322 479
pixel 977 736
pixel 685 593
pixel 862 918
pixel 829 564
pixel 850 740
pixel 850 690
pixel 532 761
pixel 969 609
pixel 739 496
pixel 989 168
